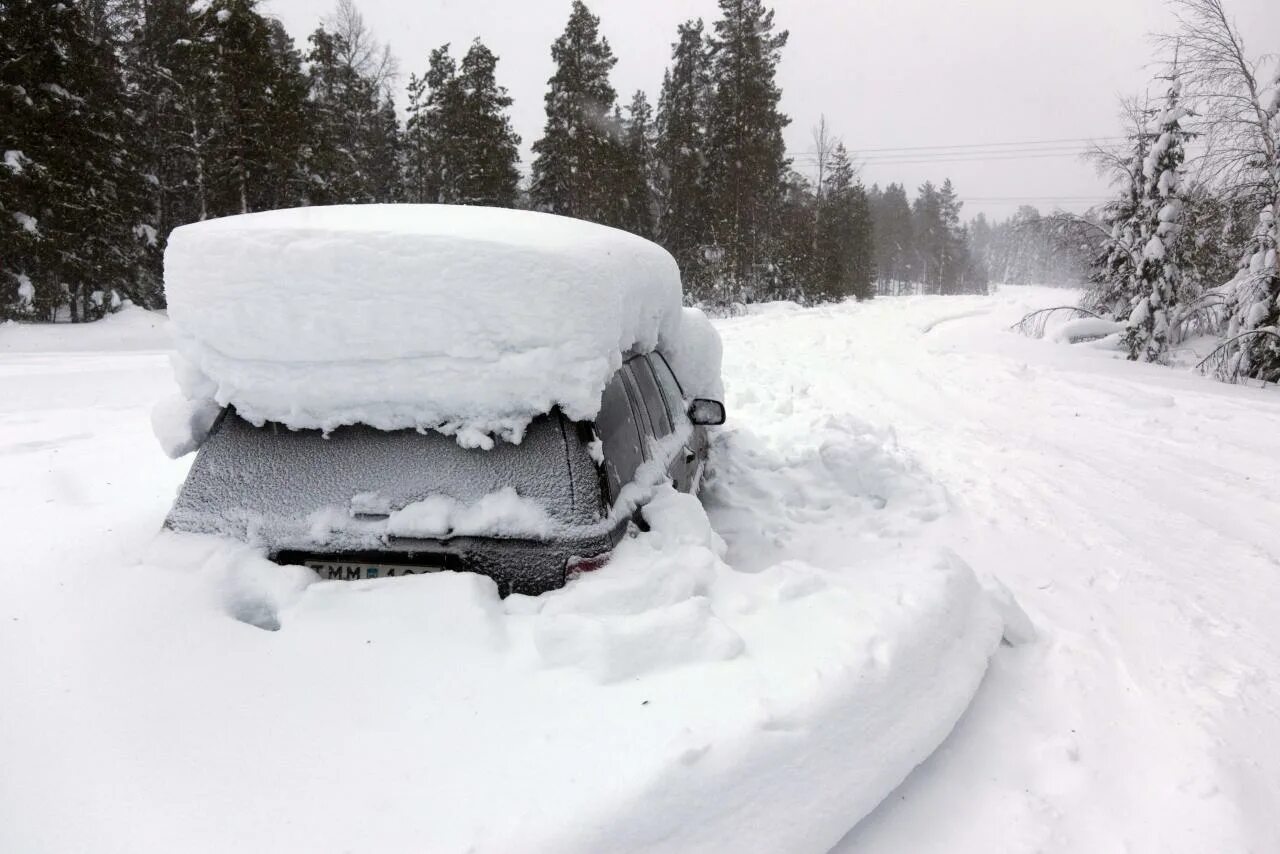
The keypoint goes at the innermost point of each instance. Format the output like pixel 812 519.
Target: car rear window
pixel 268 481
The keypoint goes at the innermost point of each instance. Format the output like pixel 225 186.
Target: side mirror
pixel 706 413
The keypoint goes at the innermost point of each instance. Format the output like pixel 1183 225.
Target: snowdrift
pixel 129 329
pixel 664 703
pixel 466 320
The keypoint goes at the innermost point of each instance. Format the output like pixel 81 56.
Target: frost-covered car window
pixel 618 431
pixel 671 391
pixel 652 397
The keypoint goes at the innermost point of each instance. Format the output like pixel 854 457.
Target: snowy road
pixel 1131 509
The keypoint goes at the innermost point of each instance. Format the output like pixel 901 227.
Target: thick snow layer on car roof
pixel 470 320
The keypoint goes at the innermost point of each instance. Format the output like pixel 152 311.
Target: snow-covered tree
pixel 1255 291
pixel 1114 279
pixel 575 166
pixel 346 119
pixel 1159 270
pixel 74 218
pixel 257 115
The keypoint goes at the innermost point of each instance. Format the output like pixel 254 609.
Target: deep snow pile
pixel 666 702
pixel 466 320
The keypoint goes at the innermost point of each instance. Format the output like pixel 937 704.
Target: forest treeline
pixel 123 119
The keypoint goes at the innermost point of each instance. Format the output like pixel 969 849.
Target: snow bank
pixel 131 328
pixel 1085 328
pixel 695 353
pixel 467 320
pixel 664 702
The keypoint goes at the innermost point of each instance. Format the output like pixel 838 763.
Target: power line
pixel 979 145
pixel 960 146
pixel 977 153
pixel 1036 197
pixel 979 159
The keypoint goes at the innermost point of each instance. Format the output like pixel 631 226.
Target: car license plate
pixel 352 571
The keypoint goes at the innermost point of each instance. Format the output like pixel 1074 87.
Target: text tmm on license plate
pixel 346 571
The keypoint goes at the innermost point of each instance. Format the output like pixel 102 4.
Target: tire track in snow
pixel 1110 526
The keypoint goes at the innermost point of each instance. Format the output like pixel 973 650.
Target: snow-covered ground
pixel 760 693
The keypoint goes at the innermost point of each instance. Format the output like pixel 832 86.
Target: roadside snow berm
pixel 466 320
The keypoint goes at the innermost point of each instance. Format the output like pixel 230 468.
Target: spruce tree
pixel 953 259
pixel 73 218
pixel 440 126
pixel 1159 271
pixel 681 155
pixel 928 237
pixel 844 263
pixel 636 168
pixel 352 139
pixel 488 174
pixel 1255 291
pixel 574 171
pixel 258 116
pixel 460 148
pixel 894 238
pixel 417 142
pixel 168 67
pixel 1112 279
pixel 747 162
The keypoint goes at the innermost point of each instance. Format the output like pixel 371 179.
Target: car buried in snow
pixel 392 503
pixel 381 390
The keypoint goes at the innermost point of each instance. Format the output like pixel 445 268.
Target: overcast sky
pixel 888 74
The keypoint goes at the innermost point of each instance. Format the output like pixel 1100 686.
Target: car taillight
pixel 575 564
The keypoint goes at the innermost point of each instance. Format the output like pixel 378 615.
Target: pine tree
pixel 384 144
pixel 168 68
pixel 1112 280
pixel 353 143
pixel 489 147
pixel 844 264
pixel 928 236
pixel 1159 271
pixel 953 260
pixel 258 117
pixel 681 156
pixel 894 238
pixel 434 133
pixel 417 142
pixel 636 167
pixel 574 172
pixel 73 223
pixel 747 161
pixel 460 148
